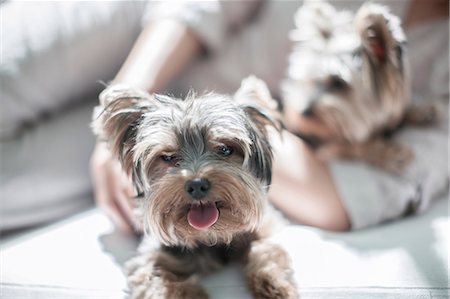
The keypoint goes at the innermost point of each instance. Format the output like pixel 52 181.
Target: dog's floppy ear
pixel 254 98
pixel 116 120
pixel 380 33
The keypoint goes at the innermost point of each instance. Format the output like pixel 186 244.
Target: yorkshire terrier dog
pixel 204 167
pixel 347 89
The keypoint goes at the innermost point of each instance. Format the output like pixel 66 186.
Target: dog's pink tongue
pixel 203 216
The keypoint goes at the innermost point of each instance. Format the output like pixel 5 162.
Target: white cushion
pixel 82 257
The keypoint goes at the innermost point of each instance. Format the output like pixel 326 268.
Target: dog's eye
pixel 171 159
pixel 337 83
pixel 356 52
pixel 225 150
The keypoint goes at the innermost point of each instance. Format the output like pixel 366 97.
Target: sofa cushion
pixel 81 257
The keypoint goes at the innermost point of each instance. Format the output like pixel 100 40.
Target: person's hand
pixel 113 189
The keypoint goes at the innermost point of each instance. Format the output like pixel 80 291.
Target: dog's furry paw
pixel 269 272
pixel 148 288
pixel 145 285
pixel 422 114
pixel 266 285
pixel 142 282
pixel 147 282
pixel 333 150
pixel 188 289
pixel 393 157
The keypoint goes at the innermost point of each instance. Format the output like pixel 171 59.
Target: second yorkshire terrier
pixel 348 84
pixel 204 166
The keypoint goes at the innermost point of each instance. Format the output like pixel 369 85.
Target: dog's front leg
pixel 423 114
pixel 268 272
pixel 160 275
pixel 386 154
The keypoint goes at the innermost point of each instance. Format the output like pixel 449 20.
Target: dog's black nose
pixel 308 112
pixel 197 188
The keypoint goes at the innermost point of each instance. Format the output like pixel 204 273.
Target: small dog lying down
pixel 348 88
pixel 204 167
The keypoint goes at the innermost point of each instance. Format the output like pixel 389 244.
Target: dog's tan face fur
pixel 237 196
pixel 167 143
pixel 348 75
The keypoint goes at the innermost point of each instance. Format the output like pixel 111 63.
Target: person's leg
pixel 302 187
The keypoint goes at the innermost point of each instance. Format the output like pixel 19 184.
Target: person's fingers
pixel 105 198
pixel 104 192
pixel 127 186
pixel 123 203
pixel 130 194
pixel 114 213
pixel 124 196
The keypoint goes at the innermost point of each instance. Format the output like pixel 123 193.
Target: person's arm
pixel 163 49
pixel 302 186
